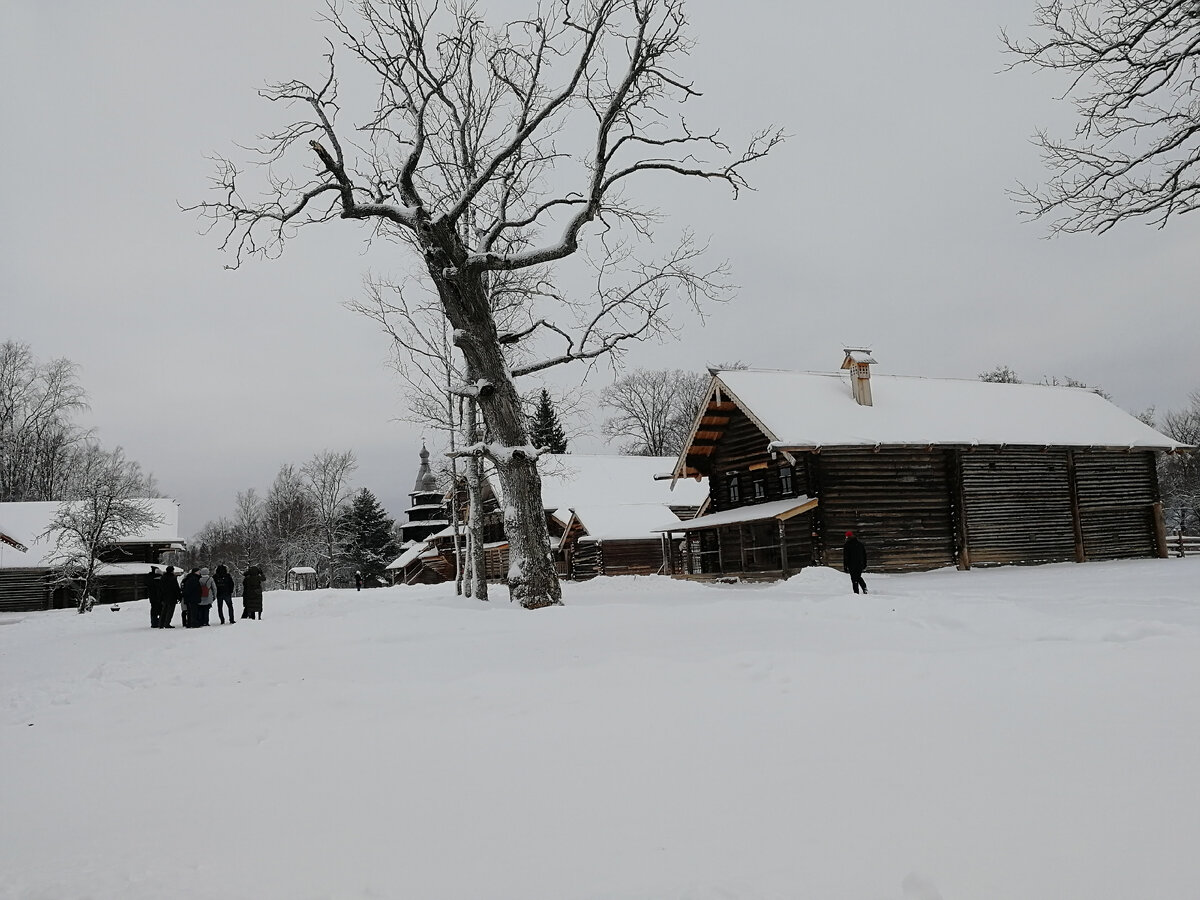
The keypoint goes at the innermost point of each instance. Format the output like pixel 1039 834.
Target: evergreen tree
pixel 545 432
pixel 368 545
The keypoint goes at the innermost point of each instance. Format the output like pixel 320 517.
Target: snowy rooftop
pixel 27 521
pixel 810 409
pixel 415 550
pixel 302 570
pixel 575 480
pixel 629 521
pixel 756 512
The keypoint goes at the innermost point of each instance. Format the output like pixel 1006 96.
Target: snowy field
pixel 1010 734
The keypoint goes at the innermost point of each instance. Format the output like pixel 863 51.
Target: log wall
pixel 1116 493
pixel 1017 503
pixel 898 501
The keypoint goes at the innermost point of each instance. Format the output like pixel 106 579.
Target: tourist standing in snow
pixel 208 595
pixel 358 581
pixel 169 586
pixel 252 593
pixel 154 593
pixel 190 588
pixel 224 593
pixel 854 561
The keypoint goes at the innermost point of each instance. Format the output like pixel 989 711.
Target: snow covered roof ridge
pixel 810 410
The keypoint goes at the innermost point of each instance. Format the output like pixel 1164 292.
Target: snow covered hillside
pixel 1008 734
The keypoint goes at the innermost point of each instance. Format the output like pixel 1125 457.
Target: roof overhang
pixel 12 542
pixel 777 509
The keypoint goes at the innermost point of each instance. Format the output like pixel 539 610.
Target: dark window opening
pixel 735 490
pixel 785 480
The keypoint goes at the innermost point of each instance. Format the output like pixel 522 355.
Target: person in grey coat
pixel 208 595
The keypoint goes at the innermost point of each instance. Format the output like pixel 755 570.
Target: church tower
pixel 427 514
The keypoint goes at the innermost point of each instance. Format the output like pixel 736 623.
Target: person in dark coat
pixel 252 593
pixel 190 588
pixel 854 561
pixel 224 593
pixel 154 593
pixel 171 594
pixel 358 581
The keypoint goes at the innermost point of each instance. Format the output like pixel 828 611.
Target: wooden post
pixel 1160 530
pixel 1076 522
pixel 783 560
pixel 742 545
pixel 664 542
pixel 720 553
pixel 960 501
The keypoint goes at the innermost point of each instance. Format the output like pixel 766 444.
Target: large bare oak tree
pixel 465 158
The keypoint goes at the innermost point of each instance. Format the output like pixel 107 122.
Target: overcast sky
pixel 883 221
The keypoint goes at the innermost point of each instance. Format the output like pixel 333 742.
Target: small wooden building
pixel 301 578
pixel 928 472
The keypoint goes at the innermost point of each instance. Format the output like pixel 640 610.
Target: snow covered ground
pixel 1009 734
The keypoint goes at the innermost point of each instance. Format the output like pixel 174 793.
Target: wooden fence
pixel 1181 544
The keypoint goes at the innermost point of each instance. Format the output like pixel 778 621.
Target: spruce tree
pixel 368 545
pixel 545 432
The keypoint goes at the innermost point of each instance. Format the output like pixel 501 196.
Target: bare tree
pixel 462 160
pixel 39 442
pixel 655 409
pixel 1179 473
pixel 1135 153
pixel 325 480
pixel 108 503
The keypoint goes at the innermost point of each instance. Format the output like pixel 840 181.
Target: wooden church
pixel 928 472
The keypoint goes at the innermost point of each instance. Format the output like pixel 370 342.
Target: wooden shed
pixel 928 472
pixel 301 578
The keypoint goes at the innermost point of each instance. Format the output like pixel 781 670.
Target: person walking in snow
pixel 154 594
pixel 224 593
pixel 208 595
pixel 252 593
pixel 171 595
pixel 854 561
pixel 358 581
pixel 190 588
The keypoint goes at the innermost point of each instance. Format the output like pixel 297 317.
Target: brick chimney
pixel 859 361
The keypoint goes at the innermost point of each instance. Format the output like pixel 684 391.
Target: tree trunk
pixel 477 585
pixel 532 579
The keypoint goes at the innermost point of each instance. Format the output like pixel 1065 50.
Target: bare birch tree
pixel 1132 69
pixel 39 442
pixel 654 409
pixel 326 481
pixel 465 159
pixel 108 503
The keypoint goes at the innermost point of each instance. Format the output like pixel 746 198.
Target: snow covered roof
pixel 625 522
pixel 302 570
pixel 27 521
pixel 807 410
pixel 408 555
pixel 573 480
pixel 776 509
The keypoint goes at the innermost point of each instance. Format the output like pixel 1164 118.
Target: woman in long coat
pixel 252 585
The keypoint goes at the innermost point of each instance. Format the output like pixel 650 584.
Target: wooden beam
pixel 1076 519
pixel 726 406
pixel 783 560
pixel 714 420
pixel 707 436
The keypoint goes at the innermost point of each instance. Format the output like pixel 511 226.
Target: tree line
pixel 310 516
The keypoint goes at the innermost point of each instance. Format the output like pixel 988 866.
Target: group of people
pixel 197 591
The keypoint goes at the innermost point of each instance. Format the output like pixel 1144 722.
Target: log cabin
pixel 928 472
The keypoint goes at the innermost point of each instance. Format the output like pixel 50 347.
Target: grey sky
pixel 883 220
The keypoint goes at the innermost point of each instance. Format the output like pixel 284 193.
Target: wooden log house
pixel 928 472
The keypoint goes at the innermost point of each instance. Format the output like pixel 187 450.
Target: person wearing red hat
pixel 854 561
